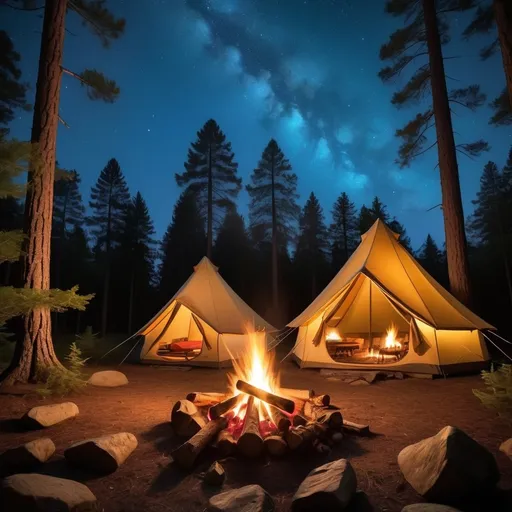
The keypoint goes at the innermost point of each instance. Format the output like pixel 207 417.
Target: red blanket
pixel 185 346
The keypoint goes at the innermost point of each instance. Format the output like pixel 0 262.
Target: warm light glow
pixel 332 335
pixel 391 341
pixel 256 366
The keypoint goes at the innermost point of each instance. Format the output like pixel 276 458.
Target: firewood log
pixel 280 402
pixel 362 430
pixel 217 410
pixel 280 420
pixel 321 400
pixel 225 443
pixel 332 418
pixel 300 436
pixel 275 445
pixel 298 420
pixel 186 420
pixel 250 442
pixel 303 394
pixel 186 454
pixel 201 399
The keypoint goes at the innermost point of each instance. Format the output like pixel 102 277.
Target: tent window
pixel 371 330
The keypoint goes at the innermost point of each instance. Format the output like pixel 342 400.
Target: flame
pixel 391 341
pixel 256 366
pixel 332 335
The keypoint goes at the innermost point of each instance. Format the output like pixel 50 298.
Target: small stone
pixel 360 382
pixel 42 493
pixel 48 415
pixel 333 379
pixel 337 437
pixel 215 475
pixel 449 467
pixel 102 454
pixel 251 498
pixel 429 507
pixel 26 457
pixel 328 488
pixel 399 375
pixel 506 448
pixel 108 379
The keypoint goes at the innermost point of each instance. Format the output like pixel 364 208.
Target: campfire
pixel 256 415
pixel 391 342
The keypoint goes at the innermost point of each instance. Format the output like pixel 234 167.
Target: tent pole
pixel 131 350
pixel 370 338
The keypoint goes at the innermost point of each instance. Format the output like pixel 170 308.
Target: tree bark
pixel 503 15
pixel 456 246
pixel 210 206
pixel 36 348
pixel 275 279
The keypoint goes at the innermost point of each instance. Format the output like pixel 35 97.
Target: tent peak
pixel 380 225
pixel 205 263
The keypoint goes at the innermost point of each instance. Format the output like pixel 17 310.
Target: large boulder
pixel 26 457
pixel 42 493
pixel 449 467
pixel 103 454
pixel 108 379
pixel 429 507
pixel 47 415
pixel 506 448
pixel 328 488
pixel 251 498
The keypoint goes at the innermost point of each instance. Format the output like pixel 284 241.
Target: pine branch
pixel 98 86
pixel 26 6
pixel 64 122
pixel 502 110
pixel 10 245
pixel 473 149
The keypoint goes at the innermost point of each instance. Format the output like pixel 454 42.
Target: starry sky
pixel 301 71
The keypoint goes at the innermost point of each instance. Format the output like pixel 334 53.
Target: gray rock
pixel 449 467
pixel 251 498
pixel 26 457
pixel 337 437
pixel 48 415
pixel 429 507
pixel 360 382
pixel 506 448
pixel 108 379
pixel 328 488
pixel 103 454
pixel 42 493
pixel 215 475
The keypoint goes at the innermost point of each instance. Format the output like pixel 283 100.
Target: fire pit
pixel 256 415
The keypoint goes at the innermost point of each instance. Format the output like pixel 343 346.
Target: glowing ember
pixel 391 341
pixel 332 335
pixel 256 367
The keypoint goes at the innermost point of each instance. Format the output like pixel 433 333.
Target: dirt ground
pixel 399 412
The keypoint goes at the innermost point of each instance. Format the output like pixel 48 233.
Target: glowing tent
pixel 383 311
pixel 204 324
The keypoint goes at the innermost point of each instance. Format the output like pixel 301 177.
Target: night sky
pixel 303 72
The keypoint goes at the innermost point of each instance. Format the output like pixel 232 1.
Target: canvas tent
pixel 204 324
pixel 383 311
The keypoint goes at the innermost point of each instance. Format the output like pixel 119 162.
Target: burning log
pixel 362 430
pixel 200 399
pixel 225 443
pixel 250 442
pixel 186 419
pixel 275 445
pixel 217 410
pixel 321 400
pixel 186 454
pixel 299 420
pixel 330 417
pixel 303 394
pixel 280 402
pixel 280 420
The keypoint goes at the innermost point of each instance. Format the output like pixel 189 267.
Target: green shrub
pixel 62 381
pixel 498 391
pixel 87 341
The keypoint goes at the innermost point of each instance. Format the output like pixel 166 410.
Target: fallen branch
pixel 362 430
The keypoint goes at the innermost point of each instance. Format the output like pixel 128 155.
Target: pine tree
pixel 494 17
pixel 138 246
pixel 399 229
pixel 232 252
pixel 182 246
pixel 431 259
pixel 343 231
pixel 211 174
pixel 37 347
pixel 365 220
pixel 273 209
pixel 312 246
pixel 109 201
pixel 379 210
pixel 423 37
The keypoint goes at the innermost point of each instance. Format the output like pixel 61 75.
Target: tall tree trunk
pixel 275 262
pixel 503 15
pixel 36 348
pixel 130 306
pixel 210 205
pixel 456 246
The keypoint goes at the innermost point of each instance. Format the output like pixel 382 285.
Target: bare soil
pixel 399 412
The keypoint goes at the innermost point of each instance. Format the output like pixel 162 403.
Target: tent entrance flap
pixel 367 327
